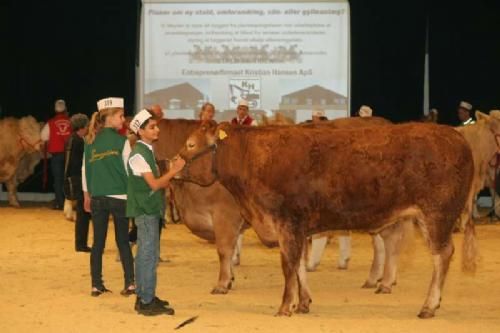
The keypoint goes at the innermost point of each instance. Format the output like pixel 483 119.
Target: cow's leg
pixel 344 249
pixel 11 185
pixel 392 241
pixel 304 292
pixel 314 256
pixel 441 262
pixel 377 269
pixel 226 231
pixel 237 251
pixel 291 240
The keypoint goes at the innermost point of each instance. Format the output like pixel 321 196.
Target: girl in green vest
pixel 104 179
pixel 146 204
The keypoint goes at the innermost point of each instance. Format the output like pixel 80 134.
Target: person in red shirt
pixel 242 116
pixel 55 132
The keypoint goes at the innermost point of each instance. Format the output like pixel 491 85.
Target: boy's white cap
pixel 318 113
pixel 243 102
pixel 365 111
pixel 465 105
pixel 139 119
pixel 110 102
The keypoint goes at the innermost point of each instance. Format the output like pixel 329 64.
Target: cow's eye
pixel 190 145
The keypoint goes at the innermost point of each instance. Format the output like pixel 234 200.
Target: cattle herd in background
pixel 361 174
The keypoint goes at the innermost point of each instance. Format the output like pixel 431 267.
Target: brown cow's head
pixel 29 134
pixel 199 153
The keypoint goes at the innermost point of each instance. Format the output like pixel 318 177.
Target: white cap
pixel 365 111
pixel 465 105
pixel 318 113
pixel 139 119
pixel 243 102
pixel 110 102
pixel 60 105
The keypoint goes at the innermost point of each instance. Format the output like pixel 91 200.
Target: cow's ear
pixel 480 115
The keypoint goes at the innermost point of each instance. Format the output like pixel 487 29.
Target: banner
pixel 289 57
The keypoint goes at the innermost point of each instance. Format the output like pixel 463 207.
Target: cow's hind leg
pixel 378 261
pixel 441 261
pixel 344 249
pixel 304 292
pixel 291 241
pixel 11 185
pixel 317 248
pixel 237 251
pixel 392 237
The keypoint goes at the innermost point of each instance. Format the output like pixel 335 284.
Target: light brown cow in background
pixel 208 211
pixel 18 137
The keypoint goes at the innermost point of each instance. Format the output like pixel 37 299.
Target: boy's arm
pixel 163 181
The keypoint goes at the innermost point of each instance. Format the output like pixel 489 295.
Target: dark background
pixel 82 51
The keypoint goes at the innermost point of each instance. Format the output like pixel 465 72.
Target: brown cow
pixel 210 212
pixel 369 179
pixel 18 137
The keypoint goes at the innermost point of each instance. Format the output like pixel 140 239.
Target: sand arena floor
pixel 45 286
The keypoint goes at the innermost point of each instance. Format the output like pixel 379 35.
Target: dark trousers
pixel 101 208
pixel 57 167
pixel 81 225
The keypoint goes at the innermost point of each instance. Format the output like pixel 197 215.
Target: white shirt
pixel 45 134
pixel 138 164
pixel 125 154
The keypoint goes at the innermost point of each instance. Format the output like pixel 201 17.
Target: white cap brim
pixel 110 102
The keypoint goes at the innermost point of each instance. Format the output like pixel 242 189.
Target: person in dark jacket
pixel 73 159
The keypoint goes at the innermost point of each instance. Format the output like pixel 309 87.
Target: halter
pixel 209 149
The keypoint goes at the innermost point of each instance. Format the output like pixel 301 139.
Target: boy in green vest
pixel 146 204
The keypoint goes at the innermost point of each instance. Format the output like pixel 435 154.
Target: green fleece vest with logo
pixel 141 199
pixel 104 167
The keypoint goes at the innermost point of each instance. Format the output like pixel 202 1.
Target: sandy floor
pixel 45 286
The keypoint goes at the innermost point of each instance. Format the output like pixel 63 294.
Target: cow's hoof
pixel 283 313
pixel 383 290
pixel 311 268
pixel 343 264
pixel 303 308
pixel 219 290
pixel 15 204
pixel 426 313
pixel 369 285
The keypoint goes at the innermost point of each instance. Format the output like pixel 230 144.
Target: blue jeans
pixel 146 260
pixel 101 208
pixel 57 167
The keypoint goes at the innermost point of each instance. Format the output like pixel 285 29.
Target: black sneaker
pixel 83 249
pixel 153 309
pixel 156 299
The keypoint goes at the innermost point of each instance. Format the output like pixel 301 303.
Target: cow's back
pixel 351 179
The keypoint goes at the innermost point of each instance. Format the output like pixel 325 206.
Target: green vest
pixel 104 167
pixel 141 200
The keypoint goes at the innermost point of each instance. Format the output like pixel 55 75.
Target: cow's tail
pixel 469 248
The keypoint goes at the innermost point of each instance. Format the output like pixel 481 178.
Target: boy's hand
pixel 177 164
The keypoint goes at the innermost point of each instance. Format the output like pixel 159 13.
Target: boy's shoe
pixel 156 299
pixel 153 308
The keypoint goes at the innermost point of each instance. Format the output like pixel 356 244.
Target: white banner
pixel 285 56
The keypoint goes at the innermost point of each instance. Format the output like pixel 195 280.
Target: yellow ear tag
pixel 222 135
